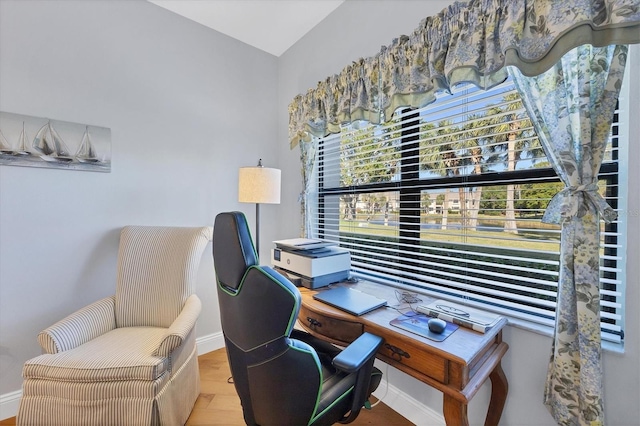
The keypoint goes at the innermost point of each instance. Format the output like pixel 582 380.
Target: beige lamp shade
pixel 260 185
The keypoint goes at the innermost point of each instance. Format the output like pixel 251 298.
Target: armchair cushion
pixel 121 354
pixel 80 327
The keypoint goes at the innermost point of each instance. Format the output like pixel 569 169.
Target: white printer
pixel 311 262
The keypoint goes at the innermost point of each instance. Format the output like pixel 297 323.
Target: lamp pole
pixel 258 228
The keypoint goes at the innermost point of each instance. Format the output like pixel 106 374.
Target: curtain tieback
pixel 576 201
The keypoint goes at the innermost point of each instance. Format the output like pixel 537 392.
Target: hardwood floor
pixel 218 403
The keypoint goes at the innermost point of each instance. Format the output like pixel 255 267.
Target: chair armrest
pixel 358 358
pixel 81 326
pixel 354 356
pixel 181 326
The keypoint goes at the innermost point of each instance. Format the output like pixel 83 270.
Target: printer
pixel 311 263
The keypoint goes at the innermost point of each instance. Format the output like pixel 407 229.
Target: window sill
pixel 617 348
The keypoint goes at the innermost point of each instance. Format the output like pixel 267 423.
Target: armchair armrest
pixel 81 326
pixel 354 356
pixel 181 326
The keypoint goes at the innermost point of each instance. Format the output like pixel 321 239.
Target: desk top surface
pixel 463 345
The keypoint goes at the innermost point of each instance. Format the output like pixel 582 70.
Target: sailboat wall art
pixel 41 142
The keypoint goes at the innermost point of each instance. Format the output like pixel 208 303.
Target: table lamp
pixel 260 185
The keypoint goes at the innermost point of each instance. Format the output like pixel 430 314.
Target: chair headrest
pixel 233 250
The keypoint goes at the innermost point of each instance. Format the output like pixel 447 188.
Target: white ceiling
pixel 269 25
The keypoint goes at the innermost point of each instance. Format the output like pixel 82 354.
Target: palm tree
pixel 476 134
pixel 439 155
pixel 366 157
pixel 513 127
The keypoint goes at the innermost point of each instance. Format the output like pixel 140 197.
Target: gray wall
pixel 186 106
pixel 358 29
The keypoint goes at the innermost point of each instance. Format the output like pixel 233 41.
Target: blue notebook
pixel 349 300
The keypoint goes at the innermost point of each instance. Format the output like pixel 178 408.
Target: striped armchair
pixel 129 359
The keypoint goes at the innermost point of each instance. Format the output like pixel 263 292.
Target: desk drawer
pixel 404 352
pixel 341 330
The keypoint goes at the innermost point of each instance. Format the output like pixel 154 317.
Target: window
pixel 448 199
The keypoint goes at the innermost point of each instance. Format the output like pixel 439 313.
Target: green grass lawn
pixel 531 236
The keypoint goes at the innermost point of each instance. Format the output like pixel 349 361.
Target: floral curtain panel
pixel 572 107
pixel 466 42
pixel 308 194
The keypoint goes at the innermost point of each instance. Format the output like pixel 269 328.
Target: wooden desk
pixel 457 366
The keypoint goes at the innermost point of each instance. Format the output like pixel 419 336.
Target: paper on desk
pixel 303 244
pixel 465 316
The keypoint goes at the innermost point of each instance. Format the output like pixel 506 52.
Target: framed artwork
pixel 41 142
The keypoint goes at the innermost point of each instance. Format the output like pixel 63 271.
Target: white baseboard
pixel 399 401
pixel 9 404
pixel 210 342
pixel 408 407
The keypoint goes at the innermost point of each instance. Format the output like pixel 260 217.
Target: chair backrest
pixel 258 309
pixel 257 304
pixel 232 249
pixel 157 270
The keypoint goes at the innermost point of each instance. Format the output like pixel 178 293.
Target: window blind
pixel 448 199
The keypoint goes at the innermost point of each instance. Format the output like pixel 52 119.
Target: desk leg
pixel 499 389
pixel 455 412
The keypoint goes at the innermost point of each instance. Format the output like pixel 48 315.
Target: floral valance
pixel 468 42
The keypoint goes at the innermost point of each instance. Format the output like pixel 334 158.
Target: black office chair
pixel 283 376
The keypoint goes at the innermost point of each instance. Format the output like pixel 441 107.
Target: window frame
pixel 411 186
